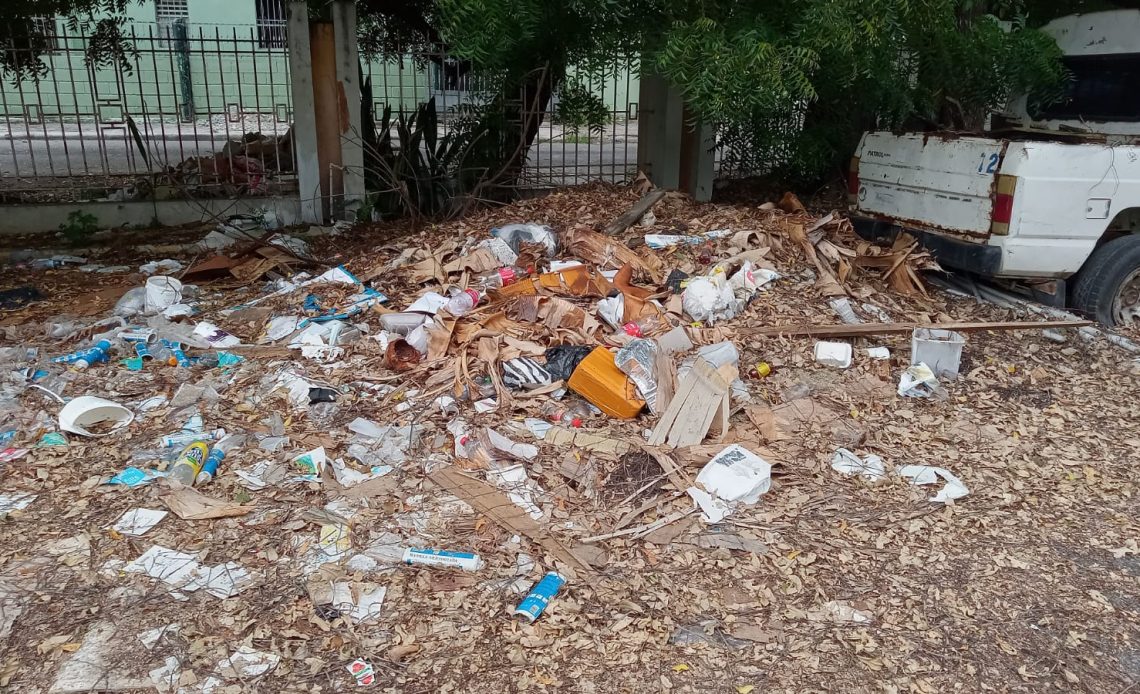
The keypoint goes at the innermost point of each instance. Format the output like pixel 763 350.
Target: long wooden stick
pixel 891 328
pixel 634 213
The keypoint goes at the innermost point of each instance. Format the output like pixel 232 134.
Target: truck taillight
pixel 1003 204
pixel 853 180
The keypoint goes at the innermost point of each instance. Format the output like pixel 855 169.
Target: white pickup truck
pixel 1052 197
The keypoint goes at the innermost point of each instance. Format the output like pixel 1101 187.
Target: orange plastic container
pixel 599 380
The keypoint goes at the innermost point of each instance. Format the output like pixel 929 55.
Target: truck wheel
pixel 1108 286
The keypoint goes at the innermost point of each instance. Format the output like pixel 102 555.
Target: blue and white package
pixel 540 596
pixel 467 561
pixel 86 357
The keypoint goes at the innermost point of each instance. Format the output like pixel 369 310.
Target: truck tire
pixel 1108 286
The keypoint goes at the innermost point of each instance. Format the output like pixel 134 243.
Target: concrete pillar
pixel 348 98
pixel 673 152
pixel 659 119
pixel 327 113
pixel 304 113
pixel 696 158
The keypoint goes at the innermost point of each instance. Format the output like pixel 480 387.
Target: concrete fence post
pixel 304 113
pixel 348 99
pixel 674 151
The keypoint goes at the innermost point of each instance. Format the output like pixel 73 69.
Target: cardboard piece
pixel 190 504
pixel 599 380
pixel 699 407
pixel 603 251
pixel 478 261
pixel 561 436
pixel 499 508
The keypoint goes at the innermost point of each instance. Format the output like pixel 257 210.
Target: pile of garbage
pixel 562 386
pixel 251 165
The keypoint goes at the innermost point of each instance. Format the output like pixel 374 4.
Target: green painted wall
pixel 229 75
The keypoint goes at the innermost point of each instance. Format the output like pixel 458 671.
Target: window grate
pixel 270 23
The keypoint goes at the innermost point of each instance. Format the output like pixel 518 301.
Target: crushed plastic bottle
pixel 189 463
pixel 572 414
pixel 501 277
pixel 462 303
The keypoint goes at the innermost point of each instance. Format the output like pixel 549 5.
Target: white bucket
pixel 941 350
pixel 162 292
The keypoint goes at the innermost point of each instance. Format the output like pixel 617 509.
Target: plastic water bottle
pixel 189 463
pixel 462 303
pixel 501 277
pixel 217 455
pixel 570 414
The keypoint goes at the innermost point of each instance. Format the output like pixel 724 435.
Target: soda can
pixel 467 561
pixel 540 596
pixel 142 351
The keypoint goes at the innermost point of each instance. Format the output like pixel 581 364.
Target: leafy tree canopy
pixel 789 83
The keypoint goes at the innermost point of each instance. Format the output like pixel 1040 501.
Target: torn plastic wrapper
pixel 218 338
pixel 516 234
pixel 638 359
pixel 870 467
pixel 924 474
pixel 524 373
pixel 561 360
pixel 918 381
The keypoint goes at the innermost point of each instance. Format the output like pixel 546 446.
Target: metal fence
pixel 560 154
pixel 193 111
pixel 205 111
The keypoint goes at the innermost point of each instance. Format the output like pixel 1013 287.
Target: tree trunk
pixel 518 129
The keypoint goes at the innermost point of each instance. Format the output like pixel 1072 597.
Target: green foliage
pixel 79 227
pixel 579 108
pixel 791 84
pixel 23 47
pixel 417 172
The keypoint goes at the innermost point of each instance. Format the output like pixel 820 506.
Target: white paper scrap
pixel 924 474
pixel 138 521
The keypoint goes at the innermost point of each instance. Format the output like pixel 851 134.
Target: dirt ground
pixel 1027 584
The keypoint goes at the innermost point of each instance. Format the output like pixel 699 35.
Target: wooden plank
pixel 635 213
pixel 893 328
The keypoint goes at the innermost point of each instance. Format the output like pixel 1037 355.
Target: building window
pixel 167 13
pixel 270 23
pixel 44 29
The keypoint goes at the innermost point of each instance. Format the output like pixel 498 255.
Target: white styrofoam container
pixel 837 354
pixel 941 350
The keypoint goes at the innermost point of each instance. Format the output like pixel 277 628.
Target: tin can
pixel 467 561
pixel 142 351
pixel 540 596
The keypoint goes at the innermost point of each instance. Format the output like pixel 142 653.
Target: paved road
pixel 25 161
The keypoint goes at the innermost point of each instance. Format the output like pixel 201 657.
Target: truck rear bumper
pixel 963 255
